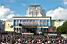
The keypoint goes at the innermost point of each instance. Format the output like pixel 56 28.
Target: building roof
pixel 30 17
pixel 58 20
pixel 34 6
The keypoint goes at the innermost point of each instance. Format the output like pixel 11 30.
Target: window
pixel 20 20
pixel 49 23
pixel 14 22
pixel 41 22
pixel 31 20
pixel 45 22
pixel 24 20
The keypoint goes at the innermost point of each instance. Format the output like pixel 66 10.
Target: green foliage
pixel 63 29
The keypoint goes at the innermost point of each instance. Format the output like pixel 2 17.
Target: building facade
pixel 42 23
pixel 35 21
pixel 57 23
pixel 35 11
pixel 8 26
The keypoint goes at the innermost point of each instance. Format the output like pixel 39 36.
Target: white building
pixel 57 23
pixel 8 26
pixel 35 21
pixel 35 11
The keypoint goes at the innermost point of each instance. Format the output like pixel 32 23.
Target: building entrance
pixel 31 29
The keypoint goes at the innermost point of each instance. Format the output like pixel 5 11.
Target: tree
pixel 63 28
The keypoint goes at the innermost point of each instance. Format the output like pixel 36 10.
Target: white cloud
pixel 65 1
pixel 6 13
pixel 58 13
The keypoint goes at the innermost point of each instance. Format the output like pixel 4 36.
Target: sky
pixel 57 9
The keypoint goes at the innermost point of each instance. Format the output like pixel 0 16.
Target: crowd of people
pixel 31 39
